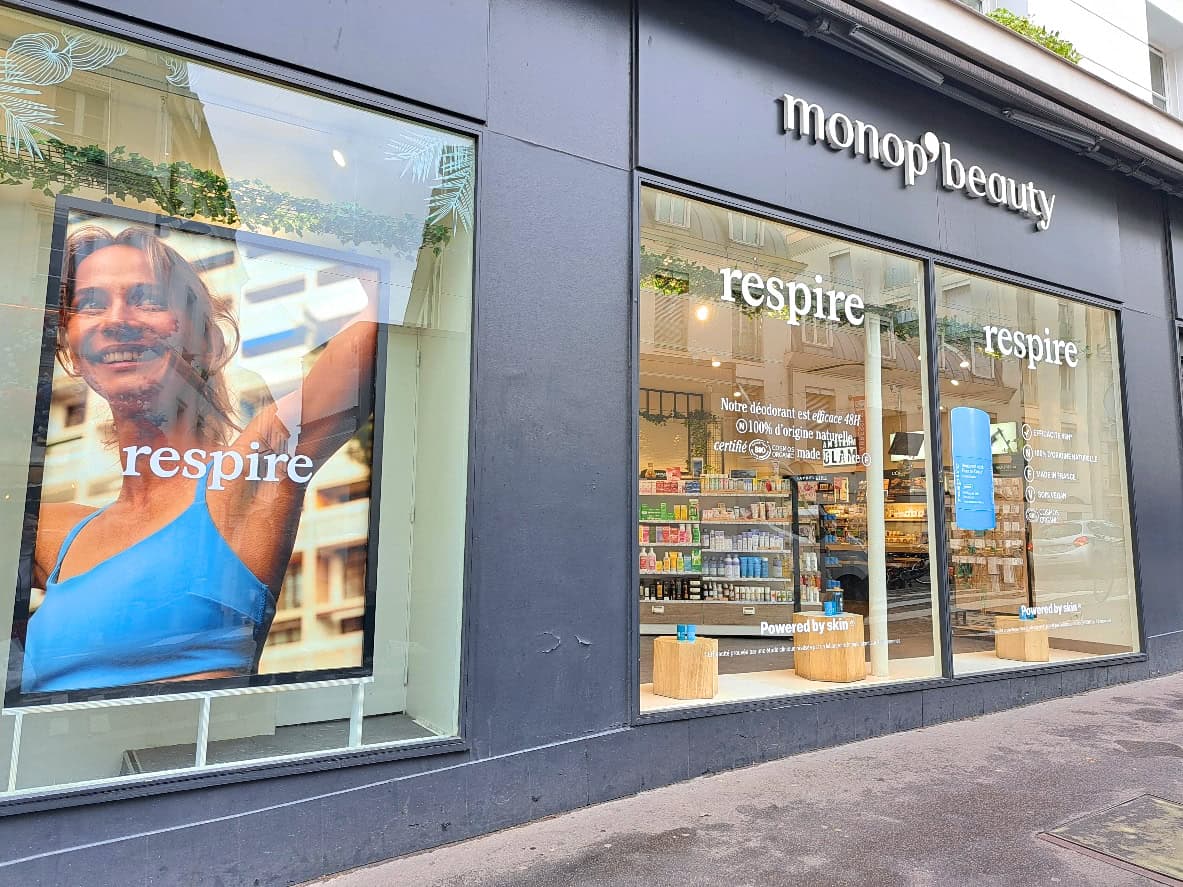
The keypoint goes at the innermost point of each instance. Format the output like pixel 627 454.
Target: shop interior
pixel 785 521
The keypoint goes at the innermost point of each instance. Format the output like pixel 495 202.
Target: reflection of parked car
pixel 1092 549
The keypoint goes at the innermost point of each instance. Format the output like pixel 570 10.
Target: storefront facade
pixel 447 377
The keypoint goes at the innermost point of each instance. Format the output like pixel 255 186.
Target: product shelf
pixel 715 601
pixel 721 494
pixel 737 523
pixel 743 579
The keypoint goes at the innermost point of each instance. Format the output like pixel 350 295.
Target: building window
pixel 295 351
pixel 671 322
pixel 1158 79
pixel 672 210
pixel 291 594
pixel 84 114
pixel 816 332
pixel 745 229
pixel 747 341
pixel 75 413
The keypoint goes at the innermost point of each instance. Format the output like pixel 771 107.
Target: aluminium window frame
pixel 931 259
pixel 1165 96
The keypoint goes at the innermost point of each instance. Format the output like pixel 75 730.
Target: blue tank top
pixel 178 602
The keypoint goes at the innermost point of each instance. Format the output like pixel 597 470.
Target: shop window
pixel 303 598
pixel 1039 534
pixel 757 517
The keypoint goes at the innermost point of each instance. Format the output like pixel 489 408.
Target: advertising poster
pixel 200 505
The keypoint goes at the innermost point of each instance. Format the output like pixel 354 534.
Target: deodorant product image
pixel 973 469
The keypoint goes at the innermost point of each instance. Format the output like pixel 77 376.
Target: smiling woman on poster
pixel 177 578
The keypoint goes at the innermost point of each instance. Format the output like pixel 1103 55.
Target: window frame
pixel 362 98
pixel 1164 97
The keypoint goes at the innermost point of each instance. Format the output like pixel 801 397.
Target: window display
pixel 238 338
pixel 1041 565
pixel 784 508
pixel 174 576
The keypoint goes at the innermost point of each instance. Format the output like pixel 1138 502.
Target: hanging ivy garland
pixel 182 190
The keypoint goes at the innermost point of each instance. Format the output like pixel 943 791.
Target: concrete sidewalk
pixel 955 804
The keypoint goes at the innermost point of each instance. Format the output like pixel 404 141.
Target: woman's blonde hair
pixel 213 335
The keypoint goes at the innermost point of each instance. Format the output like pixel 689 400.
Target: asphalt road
pixel 955 804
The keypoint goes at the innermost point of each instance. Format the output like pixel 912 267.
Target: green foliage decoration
pixel 1052 40
pixel 185 191
pixel 672 275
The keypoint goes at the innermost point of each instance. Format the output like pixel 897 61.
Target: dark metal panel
pixel 724 743
pixel 552 396
pixel 852 719
pixel 906 711
pixel 705 118
pixel 1155 439
pixel 559 75
pixel 1154 453
pixel 1166 653
pixel 938 704
pixel 1000 695
pixel 936 460
pixel 1175 225
pixel 433 53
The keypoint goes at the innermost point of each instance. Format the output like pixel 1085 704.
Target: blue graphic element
pixel 973 469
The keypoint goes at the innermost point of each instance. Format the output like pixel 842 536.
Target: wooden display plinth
pixel 836 652
pixel 1022 639
pixel 686 669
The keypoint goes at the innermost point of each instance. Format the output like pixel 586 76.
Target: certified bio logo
pixel 759 449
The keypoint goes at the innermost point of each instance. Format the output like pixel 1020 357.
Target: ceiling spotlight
pixel 716 363
pixel 965 364
pixel 338 158
pixel 954 382
pixel 702 312
pixel 894 55
pixel 737 394
pixel 1047 127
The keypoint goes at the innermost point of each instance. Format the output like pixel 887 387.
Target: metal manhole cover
pixel 1144 835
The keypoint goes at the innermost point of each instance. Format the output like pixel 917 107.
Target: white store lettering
pixel 796 298
pixel 840 133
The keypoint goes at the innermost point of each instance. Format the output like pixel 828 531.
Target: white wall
pixel 1112 37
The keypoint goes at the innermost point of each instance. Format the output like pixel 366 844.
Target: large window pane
pixel 234 357
pixel 1034 460
pixel 784 509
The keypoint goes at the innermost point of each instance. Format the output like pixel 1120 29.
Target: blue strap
pixel 53 577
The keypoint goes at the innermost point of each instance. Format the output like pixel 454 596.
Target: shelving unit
pixel 738 513
pixel 990 568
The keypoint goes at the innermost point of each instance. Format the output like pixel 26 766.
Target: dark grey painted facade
pixel 565 94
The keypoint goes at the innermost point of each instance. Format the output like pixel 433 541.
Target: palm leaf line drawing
pixel 42 59
pixel 450 168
